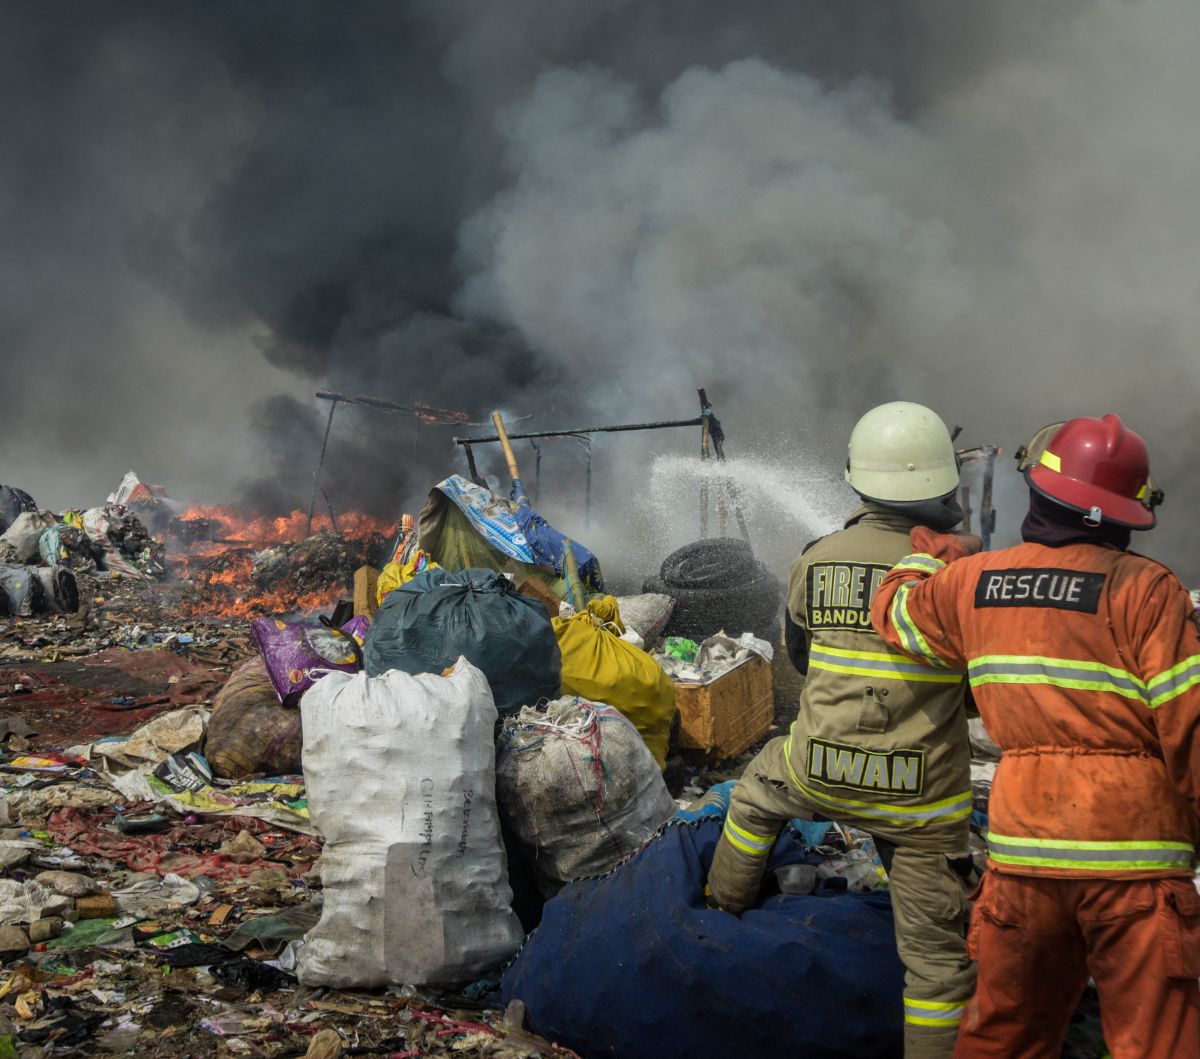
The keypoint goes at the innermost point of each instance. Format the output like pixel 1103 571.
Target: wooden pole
pixel 704 440
pixel 518 490
pixel 571 576
pixel 471 465
pixel 537 471
pixel 587 503
pixel 312 504
pixel 987 514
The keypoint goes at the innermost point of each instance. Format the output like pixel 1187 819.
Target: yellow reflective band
pixel 1088 866
pixel 914 641
pixel 749 836
pixel 1072 673
pixel 933 1013
pixel 920 561
pixel 1050 460
pixel 751 846
pixel 1141 493
pixel 1174 681
pixel 1091 856
pixel 956 807
pixel 879 664
pixel 1075 843
pixel 923 1020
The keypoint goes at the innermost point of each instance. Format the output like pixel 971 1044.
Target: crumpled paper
pixel 146 894
pixel 157 739
pixel 37 805
pixel 29 901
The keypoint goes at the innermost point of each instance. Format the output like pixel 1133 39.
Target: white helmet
pixel 901 452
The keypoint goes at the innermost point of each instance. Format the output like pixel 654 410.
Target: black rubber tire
pixel 750 605
pixel 723 562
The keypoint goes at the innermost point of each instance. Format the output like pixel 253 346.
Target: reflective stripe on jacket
pixel 1084 661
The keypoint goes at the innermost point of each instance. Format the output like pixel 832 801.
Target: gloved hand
pixel 944 546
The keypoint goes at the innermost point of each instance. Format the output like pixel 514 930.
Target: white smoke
pixel 1016 253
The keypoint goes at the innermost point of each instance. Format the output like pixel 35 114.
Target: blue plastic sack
pixel 635 965
pixel 426 624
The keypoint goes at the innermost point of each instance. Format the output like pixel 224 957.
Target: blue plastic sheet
pixel 491 516
pixel 546 543
pixel 636 965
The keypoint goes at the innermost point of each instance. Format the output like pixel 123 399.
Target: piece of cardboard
pixel 366 585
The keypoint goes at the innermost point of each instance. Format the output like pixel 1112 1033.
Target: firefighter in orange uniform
pixel 1084 660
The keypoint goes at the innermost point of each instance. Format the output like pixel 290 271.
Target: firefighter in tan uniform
pixel 881 740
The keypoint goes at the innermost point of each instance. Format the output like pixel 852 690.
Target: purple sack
pixel 297 654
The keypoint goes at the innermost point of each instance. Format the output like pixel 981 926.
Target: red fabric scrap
pixel 184 850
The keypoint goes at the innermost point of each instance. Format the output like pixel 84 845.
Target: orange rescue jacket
pixel 1084 661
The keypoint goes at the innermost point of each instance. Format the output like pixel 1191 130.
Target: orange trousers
pixel 1037 940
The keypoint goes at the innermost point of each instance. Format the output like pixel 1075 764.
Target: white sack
pixel 23 535
pixel 400 774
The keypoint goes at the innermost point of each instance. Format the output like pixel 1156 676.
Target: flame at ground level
pixel 240 566
pixel 232 525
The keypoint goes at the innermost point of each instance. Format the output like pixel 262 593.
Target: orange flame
pixel 282 529
pixel 221 570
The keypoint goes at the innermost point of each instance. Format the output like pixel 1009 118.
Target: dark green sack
pixel 425 625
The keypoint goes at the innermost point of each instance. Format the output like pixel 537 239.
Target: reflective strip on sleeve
pixel 1136 855
pixel 914 642
pixel 877 664
pixel 747 841
pixel 1072 673
pixel 933 1012
pixel 956 807
pixel 920 561
pixel 1175 681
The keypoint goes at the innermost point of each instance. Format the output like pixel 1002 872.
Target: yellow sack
pixel 607 614
pixel 599 666
pixel 394 575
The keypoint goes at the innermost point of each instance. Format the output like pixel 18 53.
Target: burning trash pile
pixel 249 567
pixel 243 818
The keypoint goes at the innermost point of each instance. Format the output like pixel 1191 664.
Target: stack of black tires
pixel 718 584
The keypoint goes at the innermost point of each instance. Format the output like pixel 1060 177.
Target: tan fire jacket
pixel 880 739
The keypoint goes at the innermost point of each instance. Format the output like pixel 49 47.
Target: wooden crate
pixel 729 714
pixel 366 583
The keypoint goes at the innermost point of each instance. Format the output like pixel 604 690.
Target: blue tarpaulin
pixel 547 544
pixel 515 530
pixel 636 965
pixel 491 516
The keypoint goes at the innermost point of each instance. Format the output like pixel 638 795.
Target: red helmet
pixel 1100 468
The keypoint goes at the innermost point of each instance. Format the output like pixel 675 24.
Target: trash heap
pixel 470 812
pixel 41 553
